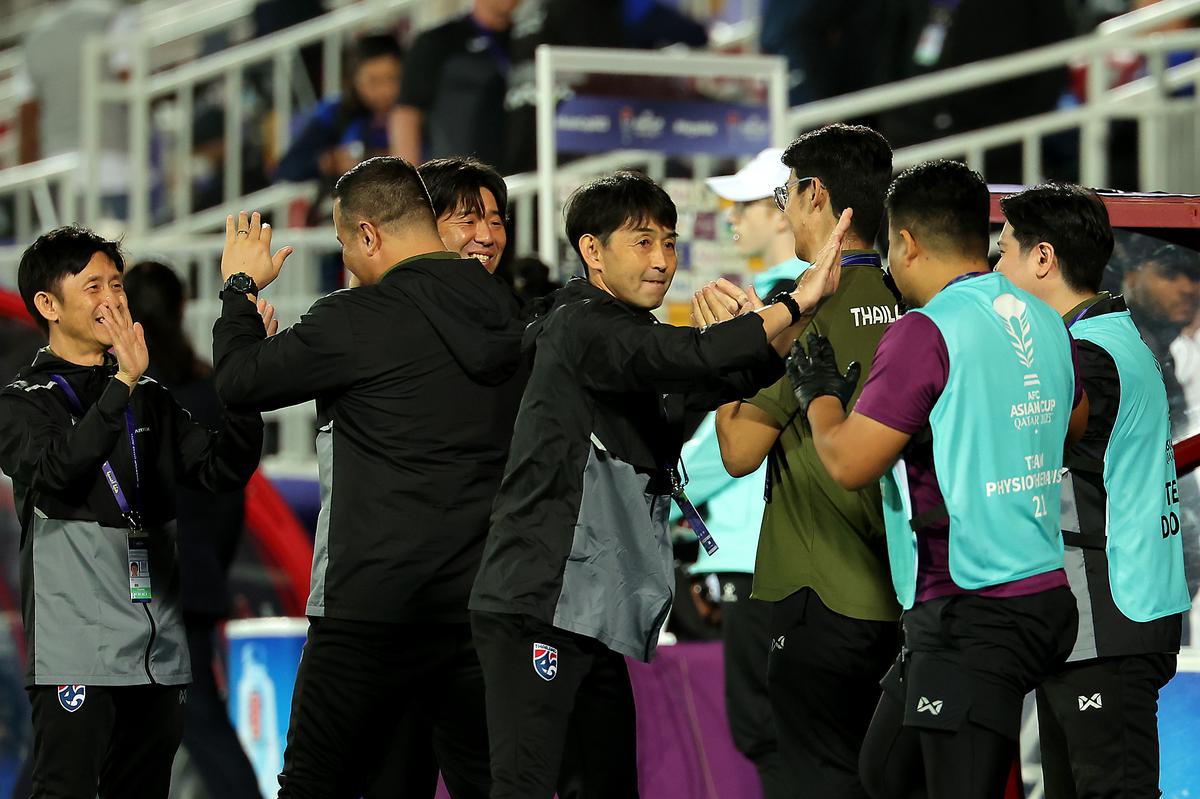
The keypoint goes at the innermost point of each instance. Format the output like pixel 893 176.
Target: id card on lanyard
pixel 138 554
pixel 691 515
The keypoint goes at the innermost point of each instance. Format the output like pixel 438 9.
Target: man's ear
pixel 1047 259
pixel 589 249
pixel 912 247
pixel 369 235
pixel 47 305
pixel 820 195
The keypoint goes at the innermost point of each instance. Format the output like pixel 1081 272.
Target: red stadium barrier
pixel 11 307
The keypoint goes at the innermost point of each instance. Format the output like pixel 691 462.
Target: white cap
pixel 755 181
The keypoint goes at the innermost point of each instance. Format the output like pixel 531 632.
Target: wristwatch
pixel 785 299
pixel 239 283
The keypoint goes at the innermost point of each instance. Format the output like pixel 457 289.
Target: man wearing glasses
pixel 822 562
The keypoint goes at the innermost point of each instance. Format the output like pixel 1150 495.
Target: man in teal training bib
pixel 964 417
pixel 1098 714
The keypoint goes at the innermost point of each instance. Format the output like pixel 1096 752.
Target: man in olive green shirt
pixel 822 559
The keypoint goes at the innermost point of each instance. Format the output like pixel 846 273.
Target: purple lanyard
pixel 862 259
pixel 110 475
pixel 961 278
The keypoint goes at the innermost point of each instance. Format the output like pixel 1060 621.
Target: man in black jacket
pixel 96 453
pixel 417 375
pixel 577 572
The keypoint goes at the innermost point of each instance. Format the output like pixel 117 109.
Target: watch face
pixel 241 282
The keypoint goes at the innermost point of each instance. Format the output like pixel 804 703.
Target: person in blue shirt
pixel 346 130
pixel 735 505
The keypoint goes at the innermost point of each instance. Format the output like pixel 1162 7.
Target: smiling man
pixel 470 202
pixel 577 572
pixel 96 453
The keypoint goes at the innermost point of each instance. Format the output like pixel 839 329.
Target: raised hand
pixel 248 249
pixel 128 340
pixel 822 278
pixel 267 311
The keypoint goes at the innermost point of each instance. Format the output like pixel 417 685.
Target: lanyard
pixel 110 476
pixel 961 278
pixel 862 259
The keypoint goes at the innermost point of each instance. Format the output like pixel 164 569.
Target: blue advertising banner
pixel 673 127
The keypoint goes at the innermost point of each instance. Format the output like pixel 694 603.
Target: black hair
pixel 1171 260
pixel 946 203
pixel 1070 218
pixel 855 164
pixel 368 48
pixel 455 184
pixel 55 255
pixel 156 298
pixel 385 190
pixel 609 203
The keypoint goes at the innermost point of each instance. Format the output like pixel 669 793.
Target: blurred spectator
pixel 1163 294
pixel 831 48
pixel 209 527
pixel 342 132
pixel 452 98
pixel 531 280
pixel 582 23
pixel 208 159
pixel 924 36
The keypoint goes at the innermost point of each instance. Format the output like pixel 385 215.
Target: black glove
pixel 815 373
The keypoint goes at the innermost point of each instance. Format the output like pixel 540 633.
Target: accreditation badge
pixel 138 563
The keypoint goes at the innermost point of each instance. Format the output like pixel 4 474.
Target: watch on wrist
pixel 239 283
pixel 785 299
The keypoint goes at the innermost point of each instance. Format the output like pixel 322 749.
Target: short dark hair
pixel 614 201
pixel 385 190
pixel 855 164
pixel 55 255
pixel 1070 218
pixel 945 203
pixel 455 184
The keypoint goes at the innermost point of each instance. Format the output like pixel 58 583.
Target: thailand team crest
pixel 545 661
pixel 71 697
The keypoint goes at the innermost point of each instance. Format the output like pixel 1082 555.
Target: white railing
pixel 146 94
pixel 1102 105
pixel 553 61
pixel 43 194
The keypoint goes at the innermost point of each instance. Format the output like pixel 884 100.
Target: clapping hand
pixel 721 301
pixel 821 279
pixel 128 340
pixel 267 311
pixel 248 249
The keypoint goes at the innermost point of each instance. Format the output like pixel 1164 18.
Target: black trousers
pixel 823 676
pixel 208 737
pixel 117 742
pixel 746 640
pixel 565 723
pixel 1098 721
pixel 900 762
pixel 948 723
pixel 358 682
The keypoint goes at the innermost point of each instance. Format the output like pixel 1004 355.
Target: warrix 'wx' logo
pixel 1094 701
pixel 932 708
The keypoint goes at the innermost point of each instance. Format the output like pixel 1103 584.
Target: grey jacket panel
pixel 316 593
pixel 85 630
pixel 618 581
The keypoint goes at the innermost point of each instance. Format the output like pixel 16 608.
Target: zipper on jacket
pixel 150 643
